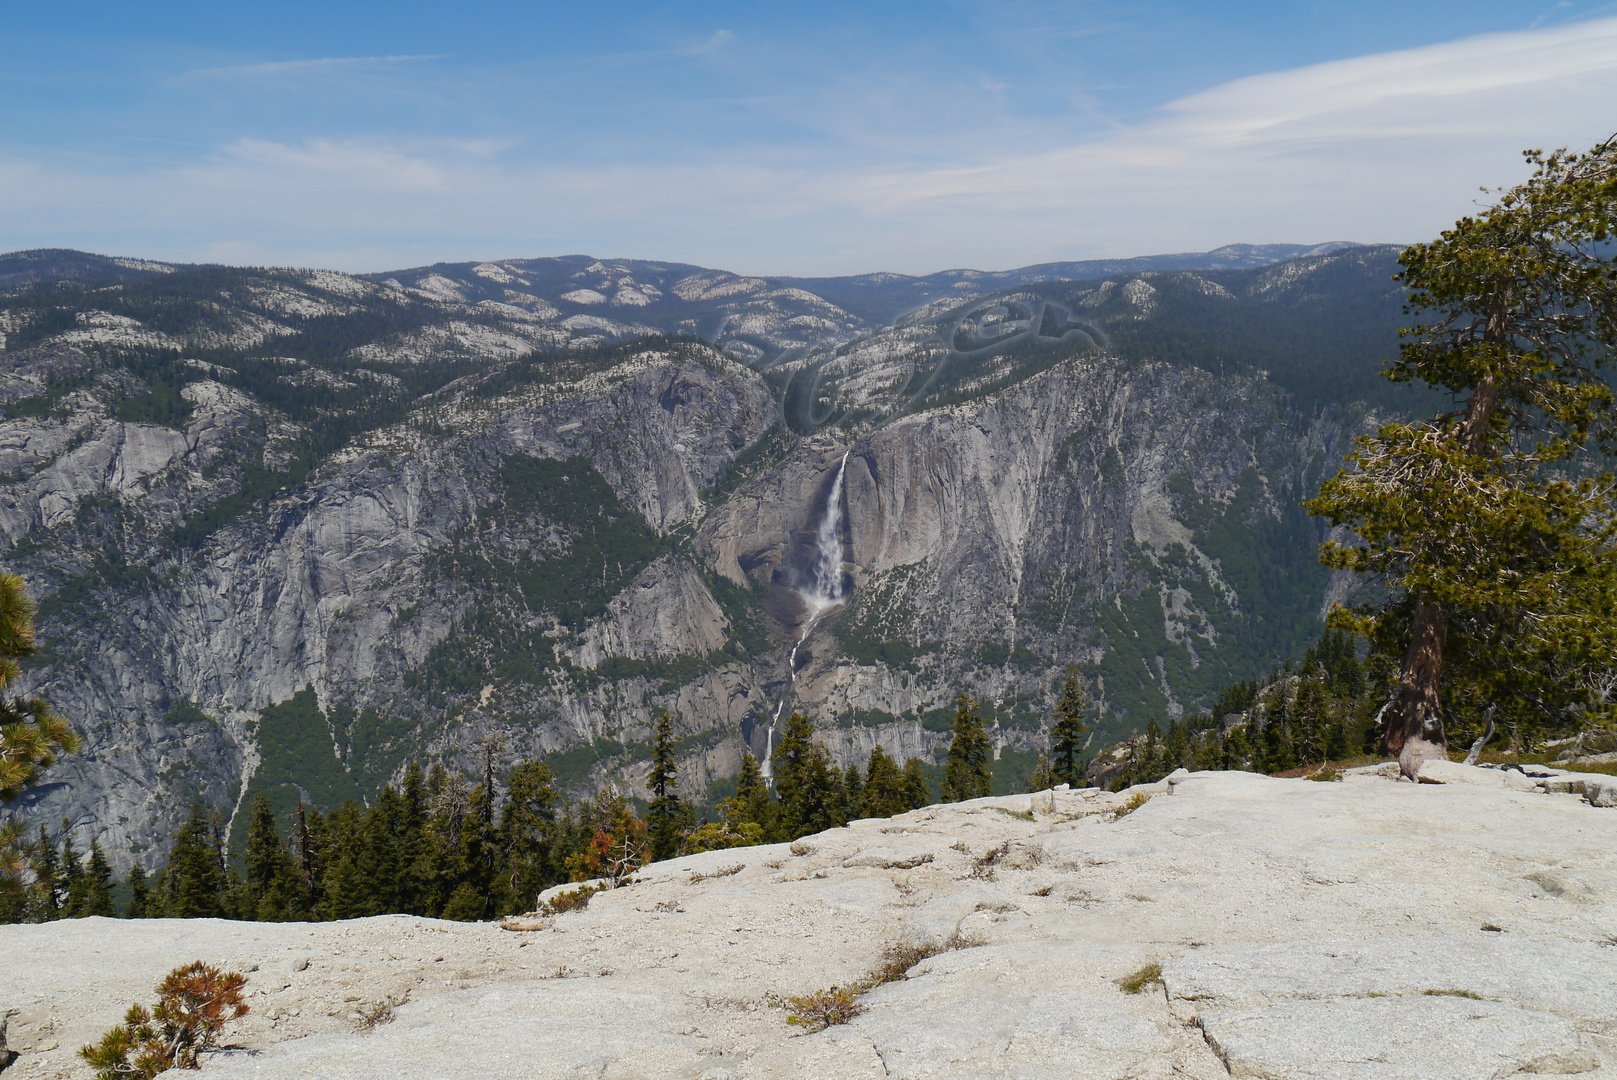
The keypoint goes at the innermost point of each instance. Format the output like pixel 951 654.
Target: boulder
pixel 1442 771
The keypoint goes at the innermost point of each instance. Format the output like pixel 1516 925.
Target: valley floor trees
pixel 1494 523
pixel 436 847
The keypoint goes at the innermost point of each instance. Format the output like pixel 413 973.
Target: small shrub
pixel 983 865
pixel 1134 984
pixel 572 900
pixel 724 872
pixel 721 835
pixel 377 1013
pixel 1025 815
pixel 838 1005
pixel 193 1003
pixel 1326 775
pixel 1136 801
pixel 1453 993
pixel 824 1008
pixel 898 959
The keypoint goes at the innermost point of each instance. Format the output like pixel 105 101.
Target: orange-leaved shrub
pixel 193 1003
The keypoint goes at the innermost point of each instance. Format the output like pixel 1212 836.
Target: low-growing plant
pixel 193 1003
pixel 571 899
pixel 721 835
pixel 1453 993
pixel 897 960
pixel 1137 982
pixel 723 872
pixel 824 1008
pixel 983 865
pixel 1325 775
pixel 1138 800
pixel 1025 815
pixel 377 1013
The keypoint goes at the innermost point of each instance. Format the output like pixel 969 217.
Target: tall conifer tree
pixel 1067 730
pixel 967 772
pixel 663 816
pixel 1493 522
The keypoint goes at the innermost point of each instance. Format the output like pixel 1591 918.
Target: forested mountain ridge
pixel 294 529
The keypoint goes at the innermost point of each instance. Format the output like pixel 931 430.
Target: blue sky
pixel 775 137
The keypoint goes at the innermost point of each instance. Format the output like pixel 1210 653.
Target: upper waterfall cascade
pixel 822 592
pixel 825 590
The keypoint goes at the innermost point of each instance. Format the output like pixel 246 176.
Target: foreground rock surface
pixel 1367 930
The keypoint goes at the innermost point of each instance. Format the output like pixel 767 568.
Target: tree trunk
pixel 1415 728
pixel 1415 721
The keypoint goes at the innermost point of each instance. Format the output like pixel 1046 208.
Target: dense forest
pixel 448 846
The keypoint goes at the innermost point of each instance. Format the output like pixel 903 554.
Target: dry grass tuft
pixel 377 1013
pixel 1136 983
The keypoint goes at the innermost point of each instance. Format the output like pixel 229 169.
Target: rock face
pixel 292 531
pixel 1332 931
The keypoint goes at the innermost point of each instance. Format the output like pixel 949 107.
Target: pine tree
pixel 412 841
pixel 885 794
pixel 618 847
pixel 480 849
pixel 140 896
pixel 1043 777
pixel 273 892
pixel 528 834
pixel 194 877
pixel 966 772
pixel 1279 750
pixel 94 895
pixel 311 856
pixel 663 816
pixel 1237 752
pixel 789 763
pixel 751 802
pixel 439 869
pixel 70 887
pixel 853 788
pixel 349 893
pixel 817 798
pixel 917 788
pixel 45 894
pixel 31 736
pixel 1067 730
pixel 1493 523
pixel 382 858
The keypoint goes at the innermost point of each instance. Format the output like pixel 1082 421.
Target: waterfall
pixel 821 593
pixel 826 588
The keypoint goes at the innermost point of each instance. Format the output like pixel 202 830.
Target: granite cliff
pixel 294 529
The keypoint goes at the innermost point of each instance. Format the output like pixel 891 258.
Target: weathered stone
pixel 1443 771
pixel 1394 1038
pixel 1280 913
pixel 1573 979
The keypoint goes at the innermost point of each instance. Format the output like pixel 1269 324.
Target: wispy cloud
pixel 295 67
pixel 1389 147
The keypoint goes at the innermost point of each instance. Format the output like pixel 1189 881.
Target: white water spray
pixel 823 592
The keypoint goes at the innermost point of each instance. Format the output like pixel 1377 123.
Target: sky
pixel 774 136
